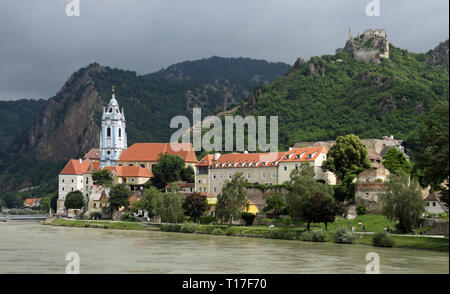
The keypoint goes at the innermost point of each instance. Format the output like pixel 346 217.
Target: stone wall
pixel 259 197
pixel 367 194
pixel 438 226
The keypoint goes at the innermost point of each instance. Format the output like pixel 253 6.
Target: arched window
pixel 110 110
pixel 108 132
pixel 120 132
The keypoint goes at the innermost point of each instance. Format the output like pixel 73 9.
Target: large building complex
pixel 263 168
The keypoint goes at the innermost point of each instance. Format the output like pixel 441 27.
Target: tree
pixel 74 200
pixel 320 208
pixel 119 196
pixel 169 207
pixel 232 201
pixel 188 174
pixel 54 201
pixel 167 170
pixel 195 205
pixel 433 157
pixel 44 204
pixel 403 201
pixel 103 178
pixel 304 194
pixel 347 156
pixel 276 203
pixel 394 160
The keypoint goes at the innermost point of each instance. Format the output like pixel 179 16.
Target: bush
pixel 361 209
pixel 382 240
pixel 188 228
pixel 343 235
pixel 320 236
pixel 170 227
pixel 248 217
pixel 314 236
pixel 283 234
pixel 127 217
pixel 306 236
pixel 206 220
pixel 217 231
pixel 287 220
pixel 96 215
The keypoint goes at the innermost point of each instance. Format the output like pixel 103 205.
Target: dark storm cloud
pixel 40 46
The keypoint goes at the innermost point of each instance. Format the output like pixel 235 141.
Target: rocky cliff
pixel 66 127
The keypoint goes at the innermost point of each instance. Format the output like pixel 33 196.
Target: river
pixel 29 247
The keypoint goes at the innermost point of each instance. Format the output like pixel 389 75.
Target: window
pixel 87 181
pixel 63 188
pixel 72 180
pixel 220 176
pixel 215 189
pixel 108 132
pixel 199 181
pixel 273 175
pixel 143 165
pixel 263 175
pixel 214 176
pixel 204 180
pixel 230 175
pixel 285 168
pixel 428 203
pixel 434 203
pixel 248 175
pixel 63 180
pixel 296 166
pixel 120 132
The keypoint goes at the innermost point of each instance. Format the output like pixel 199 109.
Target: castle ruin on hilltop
pixel 370 46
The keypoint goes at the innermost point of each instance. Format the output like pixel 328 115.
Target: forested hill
pixel 15 116
pixel 334 95
pixel 67 125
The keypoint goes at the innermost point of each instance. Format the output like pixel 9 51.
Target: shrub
pixel 127 217
pixel 287 220
pixel 248 217
pixel 206 220
pixel 382 240
pixel 361 209
pixel 96 215
pixel 283 234
pixel 306 236
pixel 170 227
pixel 188 228
pixel 343 235
pixel 314 236
pixel 217 231
pixel 320 236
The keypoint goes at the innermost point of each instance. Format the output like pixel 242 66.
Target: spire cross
pixel 113 88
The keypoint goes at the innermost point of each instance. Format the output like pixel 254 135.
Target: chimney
pixel 290 148
pixel 81 161
pixel 216 156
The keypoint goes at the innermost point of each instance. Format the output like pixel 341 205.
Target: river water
pixel 29 247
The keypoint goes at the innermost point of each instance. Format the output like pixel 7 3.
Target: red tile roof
pixel 31 202
pixel 151 151
pixel 129 171
pixel 93 154
pixel 133 198
pixel 262 159
pixel 79 167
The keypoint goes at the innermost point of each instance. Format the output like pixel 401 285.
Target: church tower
pixel 113 138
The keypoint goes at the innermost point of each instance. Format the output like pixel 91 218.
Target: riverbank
pixel 400 241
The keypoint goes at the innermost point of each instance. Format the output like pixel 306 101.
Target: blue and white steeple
pixel 113 137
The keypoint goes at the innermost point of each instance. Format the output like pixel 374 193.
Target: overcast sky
pixel 40 46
